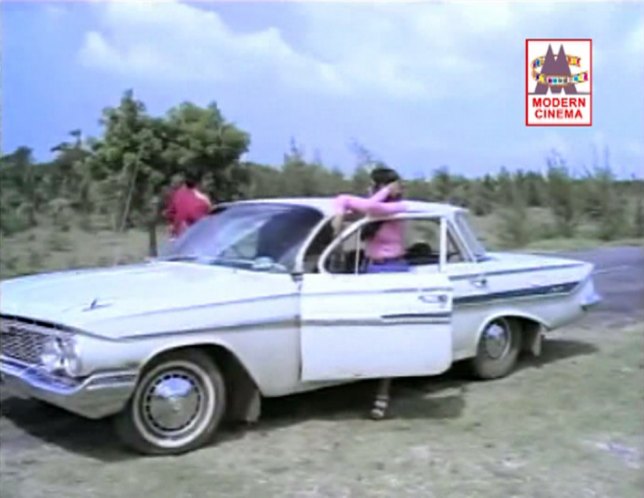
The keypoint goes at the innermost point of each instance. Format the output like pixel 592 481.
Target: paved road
pixel 619 278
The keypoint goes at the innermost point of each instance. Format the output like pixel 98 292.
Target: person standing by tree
pixel 385 243
pixel 186 205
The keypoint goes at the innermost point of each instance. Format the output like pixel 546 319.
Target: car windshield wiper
pixel 182 258
pixel 209 260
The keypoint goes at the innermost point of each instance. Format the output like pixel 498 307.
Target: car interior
pixel 422 248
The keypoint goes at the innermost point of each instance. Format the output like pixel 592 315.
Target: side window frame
pixel 354 229
pixel 461 243
pixel 298 267
pixel 359 224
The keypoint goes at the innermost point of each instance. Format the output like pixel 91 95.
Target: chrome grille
pixel 24 340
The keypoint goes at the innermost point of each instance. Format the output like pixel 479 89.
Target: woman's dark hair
pixel 191 179
pixel 381 177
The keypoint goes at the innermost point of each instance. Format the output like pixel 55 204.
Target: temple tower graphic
pixel 558 67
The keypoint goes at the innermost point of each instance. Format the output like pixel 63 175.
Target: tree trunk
pixel 152 238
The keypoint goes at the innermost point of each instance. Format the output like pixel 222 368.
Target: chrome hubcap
pixel 496 340
pixel 173 403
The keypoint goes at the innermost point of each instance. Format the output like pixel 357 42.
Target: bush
pixel 12 222
pixel 514 227
pixel 34 260
pixel 103 261
pixel 638 222
pixel 85 222
pixel 58 242
pixel 562 197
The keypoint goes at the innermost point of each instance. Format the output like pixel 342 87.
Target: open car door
pixel 375 325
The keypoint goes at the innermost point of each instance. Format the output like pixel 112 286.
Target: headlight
pixel 60 354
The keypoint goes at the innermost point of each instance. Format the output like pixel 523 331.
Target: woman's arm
pixel 374 205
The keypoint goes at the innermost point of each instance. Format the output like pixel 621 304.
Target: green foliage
pixel 12 222
pixel 562 197
pixel 61 212
pixel 514 227
pixel 482 197
pixel 638 222
pixel 419 189
pixel 34 259
pixel 602 202
pixel 57 241
pixel 442 184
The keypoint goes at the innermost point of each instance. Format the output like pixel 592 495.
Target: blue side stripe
pixel 545 290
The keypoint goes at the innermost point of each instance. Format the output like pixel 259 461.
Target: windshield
pixel 470 237
pixel 261 237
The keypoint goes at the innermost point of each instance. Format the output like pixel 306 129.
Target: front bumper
pixel 96 396
pixel 589 298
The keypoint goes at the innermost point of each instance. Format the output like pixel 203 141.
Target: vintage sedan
pixel 261 299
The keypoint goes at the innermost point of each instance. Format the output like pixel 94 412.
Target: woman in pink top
pixel 385 244
pixel 385 240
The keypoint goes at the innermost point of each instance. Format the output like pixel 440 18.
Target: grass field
pixel 566 425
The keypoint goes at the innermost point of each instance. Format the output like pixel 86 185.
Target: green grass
pixel 568 425
pixel 45 248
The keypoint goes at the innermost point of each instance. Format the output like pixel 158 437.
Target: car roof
pixel 326 205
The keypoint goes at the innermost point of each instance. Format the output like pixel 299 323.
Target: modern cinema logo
pixel 559 97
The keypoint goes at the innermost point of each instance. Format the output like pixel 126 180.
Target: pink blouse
pixel 389 241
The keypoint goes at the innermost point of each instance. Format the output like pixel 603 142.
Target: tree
pixel 638 223
pixel 505 187
pixel 126 162
pixel 561 195
pixel 514 228
pixel 137 155
pixel 22 178
pixel 202 140
pixel 360 180
pixel 482 197
pixel 602 201
pixel 442 184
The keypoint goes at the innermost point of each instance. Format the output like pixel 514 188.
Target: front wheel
pixel 176 407
pixel 498 349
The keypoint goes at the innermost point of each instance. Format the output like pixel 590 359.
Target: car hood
pixel 82 299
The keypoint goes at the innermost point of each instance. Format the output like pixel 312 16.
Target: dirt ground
pixel 569 424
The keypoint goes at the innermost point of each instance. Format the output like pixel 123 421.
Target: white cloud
pixel 174 41
pixel 402 51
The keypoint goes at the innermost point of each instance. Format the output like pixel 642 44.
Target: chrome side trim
pixel 515 271
pixel 518 294
pixel 281 322
pixel 389 320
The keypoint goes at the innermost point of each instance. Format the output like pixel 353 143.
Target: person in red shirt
pixel 186 205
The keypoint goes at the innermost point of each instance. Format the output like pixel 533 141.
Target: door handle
pixel 433 298
pixel 479 282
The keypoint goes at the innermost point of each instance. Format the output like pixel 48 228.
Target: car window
pixel 454 252
pixel 323 238
pixel 347 256
pixel 254 236
pixel 470 236
pixel 423 241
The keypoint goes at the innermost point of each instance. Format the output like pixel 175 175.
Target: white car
pixel 259 299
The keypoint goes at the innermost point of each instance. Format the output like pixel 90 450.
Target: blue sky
pixel 419 84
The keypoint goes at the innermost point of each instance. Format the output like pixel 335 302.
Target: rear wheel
pixel 177 405
pixel 498 349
